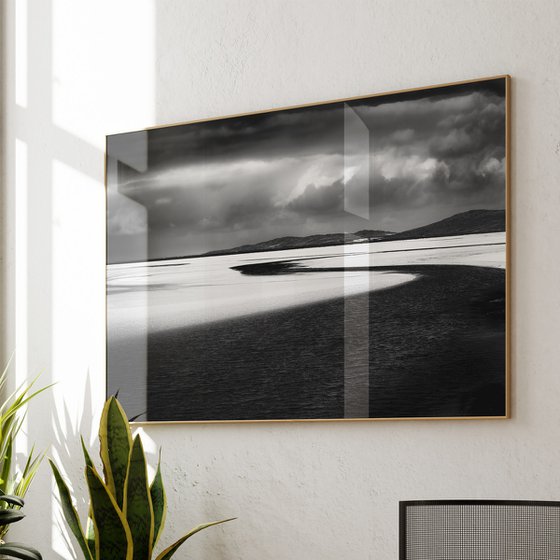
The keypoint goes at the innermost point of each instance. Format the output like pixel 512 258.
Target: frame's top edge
pixel 478 502
pixel 506 77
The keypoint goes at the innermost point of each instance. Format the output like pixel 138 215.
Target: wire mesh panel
pixel 479 530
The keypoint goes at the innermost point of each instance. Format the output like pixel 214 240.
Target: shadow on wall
pixel 68 456
pixel 67 452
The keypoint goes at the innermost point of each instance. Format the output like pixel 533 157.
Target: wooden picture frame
pixel 345 260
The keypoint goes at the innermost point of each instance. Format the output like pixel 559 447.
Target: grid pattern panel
pixel 489 531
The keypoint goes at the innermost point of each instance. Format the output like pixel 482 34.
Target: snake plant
pixel 12 415
pixel 12 514
pixel 126 512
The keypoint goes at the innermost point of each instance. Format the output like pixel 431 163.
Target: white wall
pixel 301 491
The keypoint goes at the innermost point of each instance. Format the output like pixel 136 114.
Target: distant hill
pixel 291 242
pixel 373 234
pixel 473 221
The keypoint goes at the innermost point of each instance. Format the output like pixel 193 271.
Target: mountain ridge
pixel 463 223
pixel 294 242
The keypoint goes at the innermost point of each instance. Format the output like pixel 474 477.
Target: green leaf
pixel 159 502
pixel 12 500
pixel 6 454
pixel 21 399
pixel 90 534
pixel 138 503
pixel 170 551
pixel 28 474
pixel 70 513
pixel 87 457
pixel 18 550
pixel 7 461
pixel 113 540
pixel 28 463
pixel 8 516
pixel 90 531
pixel 115 441
pixel 12 414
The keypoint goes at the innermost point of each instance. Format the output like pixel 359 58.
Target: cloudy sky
pixel 188 189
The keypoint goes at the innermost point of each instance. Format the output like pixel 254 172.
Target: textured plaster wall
pixel 301 491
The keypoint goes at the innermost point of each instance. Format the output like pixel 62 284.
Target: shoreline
pixel 150 262
pixel 189 293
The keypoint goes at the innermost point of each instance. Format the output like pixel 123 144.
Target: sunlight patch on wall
pixel 78 278
pixel 21 53
pixel 21 225
pixel 91 64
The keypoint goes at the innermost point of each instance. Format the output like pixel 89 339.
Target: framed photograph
pixel 336 261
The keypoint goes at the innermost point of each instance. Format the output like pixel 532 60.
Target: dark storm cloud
pixel 449 153
pixel 211 185
pixel 314 130
pixel 319 201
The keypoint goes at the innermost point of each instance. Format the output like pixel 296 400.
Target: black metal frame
pixel 403 505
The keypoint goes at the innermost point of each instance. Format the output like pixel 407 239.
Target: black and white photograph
pixel 344 260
